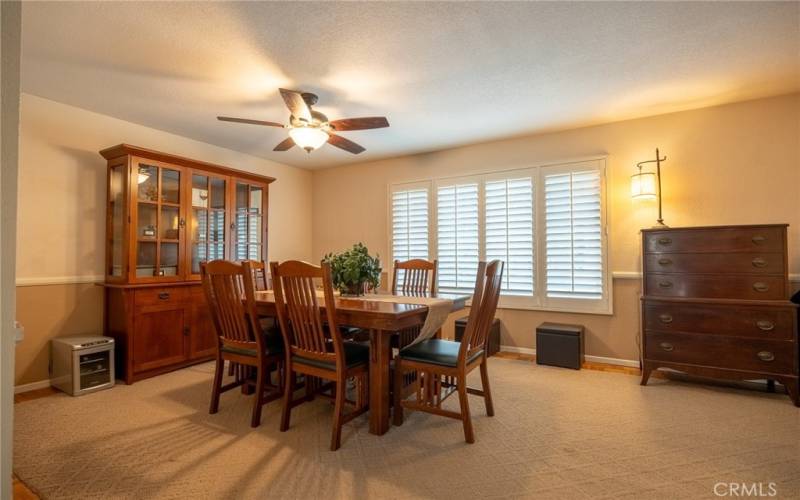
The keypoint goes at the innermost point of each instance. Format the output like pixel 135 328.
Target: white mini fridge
pixel 82 364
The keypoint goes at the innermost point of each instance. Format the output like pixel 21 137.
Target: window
pixel 509 232
pixel 547 224
pixel 457 236
pixel 574 235
pixel 410 224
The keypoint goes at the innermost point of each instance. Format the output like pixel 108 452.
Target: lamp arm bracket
pixel 650 161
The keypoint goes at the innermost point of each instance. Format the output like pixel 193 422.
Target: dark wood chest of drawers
pixel 715 304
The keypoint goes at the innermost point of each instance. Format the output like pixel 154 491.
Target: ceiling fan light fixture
pixel 308 138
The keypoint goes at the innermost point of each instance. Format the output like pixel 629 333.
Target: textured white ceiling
pixel 444 74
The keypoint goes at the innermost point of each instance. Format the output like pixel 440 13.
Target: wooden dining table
pixel 383 320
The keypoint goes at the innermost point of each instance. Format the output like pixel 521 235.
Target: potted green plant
pixel 354 268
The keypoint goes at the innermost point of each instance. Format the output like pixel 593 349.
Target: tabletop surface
pixel 364 305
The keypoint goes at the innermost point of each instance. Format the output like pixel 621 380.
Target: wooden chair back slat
pixel 299 313
pixel 230 294
pixel 483 308
pixel 419 277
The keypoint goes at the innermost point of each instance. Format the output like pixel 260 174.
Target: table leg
pixel 380 355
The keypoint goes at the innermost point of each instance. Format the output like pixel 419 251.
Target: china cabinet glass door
pixel 158 221
pixel 250 216
pixel 208 222
pixel 117 202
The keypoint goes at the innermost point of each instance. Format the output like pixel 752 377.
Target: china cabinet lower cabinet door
pixel 160 336
pixel 203 338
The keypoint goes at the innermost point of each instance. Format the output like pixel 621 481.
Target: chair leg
pixel 397 413
pixel 230 368
pixel 215 389
pixel 288 390
pixel 338 413
pixel 466 419
pixel 487 392
pixel 258 399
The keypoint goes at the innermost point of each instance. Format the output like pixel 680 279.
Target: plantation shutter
pixel 509 232
pixel 410 224
pixel 457 237
pixel 574 242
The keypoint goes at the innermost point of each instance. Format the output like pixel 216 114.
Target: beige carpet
pixel 557 434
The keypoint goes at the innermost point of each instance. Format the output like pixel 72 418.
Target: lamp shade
pixel 308 138
pixel 643 186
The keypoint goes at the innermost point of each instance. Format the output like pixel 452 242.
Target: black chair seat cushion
pixel 273 343
pixel 354 354
pixel 436 352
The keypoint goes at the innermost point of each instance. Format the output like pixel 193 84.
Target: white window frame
pixel 539 301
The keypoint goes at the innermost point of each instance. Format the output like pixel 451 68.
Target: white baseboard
pixel 42 384
pixel 595 359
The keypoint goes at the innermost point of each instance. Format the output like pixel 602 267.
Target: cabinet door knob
pixel 766 356
pixel 665 284
pixel 186 330
pixel 759 262
pixel 665 318
pixel 760 287
pixel 664 261
pixel 666 346
pixel 759 239
pixel 665 241
pixel 163 295
pixel 765 325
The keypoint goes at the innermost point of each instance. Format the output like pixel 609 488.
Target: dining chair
pixel 230 294
pixel 261 282
pixel 418 277
pixel 443 365
pixel 261 279
pixel 314 345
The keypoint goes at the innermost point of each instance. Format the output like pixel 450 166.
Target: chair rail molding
pixel 59 280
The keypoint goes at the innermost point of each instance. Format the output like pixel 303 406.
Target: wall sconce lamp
pixel 647 185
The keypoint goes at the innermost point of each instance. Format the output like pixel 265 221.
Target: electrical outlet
pixel 19 332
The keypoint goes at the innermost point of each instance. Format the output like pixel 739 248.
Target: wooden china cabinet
pixel 165 215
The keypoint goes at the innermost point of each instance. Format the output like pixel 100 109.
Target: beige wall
pixel 732 164
pixel 62 208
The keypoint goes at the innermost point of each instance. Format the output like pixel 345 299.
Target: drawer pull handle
pixel 759 239
pixel 765 325
pixel 665 284
pixel 665 318
pixel 759 262
pixel 163 295
pixel 665 241
pixel 766 356
pixel 666 346
pixel 760 287
pixel 665 261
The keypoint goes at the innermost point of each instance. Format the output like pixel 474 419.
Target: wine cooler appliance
pixel 82 364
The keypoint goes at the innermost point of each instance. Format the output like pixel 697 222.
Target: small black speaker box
pixel 559 345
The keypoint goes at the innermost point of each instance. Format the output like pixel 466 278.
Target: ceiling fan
pixel 311 129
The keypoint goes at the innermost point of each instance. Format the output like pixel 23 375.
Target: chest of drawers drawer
pixel 768 356
pixel 767 239
pixel 729 263
pixel 715 286
pixel 758 322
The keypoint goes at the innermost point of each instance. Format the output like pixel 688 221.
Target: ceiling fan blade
pixel 246 120
pixel 288 143
pixel 296 104
pixel 346 144
pixel 364 123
